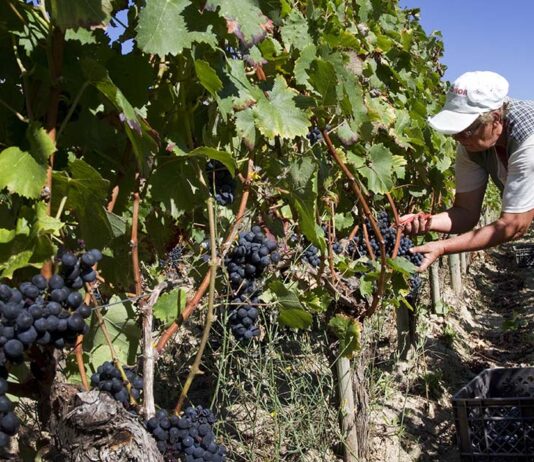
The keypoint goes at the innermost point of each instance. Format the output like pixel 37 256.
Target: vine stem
pixel 78 350
pixel 55 61
pixel 331 237
pixel 146 309
pixel 134 244
pixel 367 211
pixel 192 304
pixel 195 368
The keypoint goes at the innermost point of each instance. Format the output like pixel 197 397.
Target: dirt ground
pixel 489 325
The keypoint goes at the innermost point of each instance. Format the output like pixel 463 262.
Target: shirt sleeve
pixel 469 175
pixel 518 195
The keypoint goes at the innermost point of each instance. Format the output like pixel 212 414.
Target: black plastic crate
pixel 494 416
pixel 524 254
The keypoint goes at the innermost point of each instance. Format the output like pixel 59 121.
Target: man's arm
pixel 509 226
pixel 461 217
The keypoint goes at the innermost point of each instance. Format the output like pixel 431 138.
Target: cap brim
pixel 450 122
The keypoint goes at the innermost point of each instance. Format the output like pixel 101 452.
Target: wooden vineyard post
pixel 435 292
pixel 463 262
pixel 346 408
pixel 456 274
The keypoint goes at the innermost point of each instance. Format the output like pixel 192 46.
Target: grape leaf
pixel 379 169
pixel 162 28
pixel 295 32
pixel 170 305
pixel 278 115
pixel 136 129
pixel 302 65
pixel 41 145
pixel 86 193
pixel 348 331
pixel 207 77
pixel 123 331
pixel 20 173
pixel 244 124
pixel 80 13
pixel 243 17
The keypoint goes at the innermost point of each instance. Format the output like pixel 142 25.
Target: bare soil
pixel 489 325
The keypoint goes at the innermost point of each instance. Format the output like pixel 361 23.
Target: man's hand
pixel 431 252
pixel 416 223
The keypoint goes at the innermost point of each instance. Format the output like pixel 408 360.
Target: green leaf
pixel 20 173
pixel 41 146
pixel 379 169
pixel 323 78
pixel 295 318
pixel 302 187
pixel 278 115
pixel 291 310
pixel 402 265
pixel 317 299
pixel 244 18
pixel 86 193
pixel 170 305
pixel 136 129
pixel 162 28
pixel 207 77
pixel 124 333
pixel 245 127
pixel 223 157
pixel 175 184
pixel 295 32
pixel 285 297
pixel 80 13
pixel 15 262
pixel 348 331
pixel 302 65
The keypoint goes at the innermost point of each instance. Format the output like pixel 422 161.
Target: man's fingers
pixel 408 218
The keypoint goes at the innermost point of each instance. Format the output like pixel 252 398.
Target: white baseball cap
pixel 471 94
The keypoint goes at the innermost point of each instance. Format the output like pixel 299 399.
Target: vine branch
pixel 195 368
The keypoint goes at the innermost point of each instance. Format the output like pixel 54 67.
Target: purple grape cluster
pixel 314 135
pixel 243 317
pixel 247 261
pixel 311 255
pixel 109 379
pixel 173 258
pixel 189 437
pixel 9 422
pixel 220 182
pixel 46 312
pixel 245 264
pixel 357 247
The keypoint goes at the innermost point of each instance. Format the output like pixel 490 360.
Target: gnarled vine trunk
pixel 92 426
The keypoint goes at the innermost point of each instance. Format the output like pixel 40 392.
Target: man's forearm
pixel 455 220
pixel 482 238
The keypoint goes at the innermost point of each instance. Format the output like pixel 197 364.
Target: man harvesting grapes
pixel 495 136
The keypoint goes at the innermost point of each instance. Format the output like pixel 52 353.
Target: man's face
pixel 480 136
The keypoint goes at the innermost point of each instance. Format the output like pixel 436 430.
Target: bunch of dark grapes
pixel 247 261
pixel 173 258
pixel 108 378
pixel 9 422
pixel 188 438
pixel 79 269
pixel 314 135
pixel 243 317
pixel 311 255
pixel 46 312
pixel 337 247
pixel 357 247
pixel 220 182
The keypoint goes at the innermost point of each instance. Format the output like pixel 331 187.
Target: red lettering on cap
pixel 458 91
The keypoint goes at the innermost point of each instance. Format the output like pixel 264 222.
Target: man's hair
pixel 487 117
